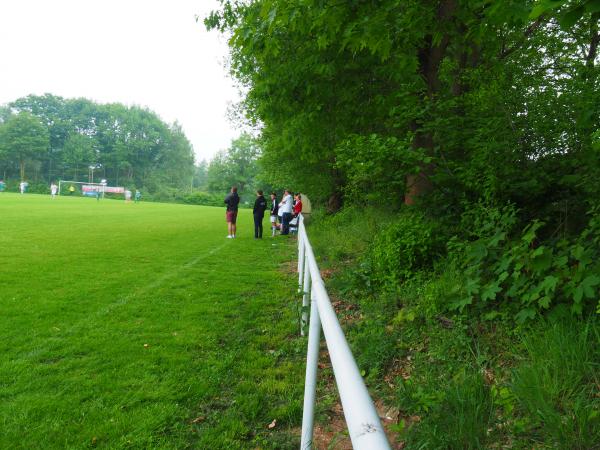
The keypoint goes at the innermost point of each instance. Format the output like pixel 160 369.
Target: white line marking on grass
pixel 158 282
pixel 123 300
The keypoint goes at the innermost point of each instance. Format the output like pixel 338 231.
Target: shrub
pixel 535 275
pixel 163 193
pixel 203 198
pixel 408 245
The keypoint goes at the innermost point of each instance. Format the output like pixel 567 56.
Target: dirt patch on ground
pixel 347 313
pixel 334 434
pixel 289 267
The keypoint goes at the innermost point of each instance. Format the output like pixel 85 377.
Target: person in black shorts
pixel 260 205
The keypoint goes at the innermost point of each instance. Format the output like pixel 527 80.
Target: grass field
pixel 141 326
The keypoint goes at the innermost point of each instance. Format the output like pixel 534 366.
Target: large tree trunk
pixel 22 169
pixel 430 58
pixel 334 203
pixel 420 183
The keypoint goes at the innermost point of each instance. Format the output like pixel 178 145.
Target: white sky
pixel 150 53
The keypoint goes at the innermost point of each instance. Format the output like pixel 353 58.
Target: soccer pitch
pixel 141 326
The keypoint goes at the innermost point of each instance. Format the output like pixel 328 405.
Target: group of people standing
pixel 282 213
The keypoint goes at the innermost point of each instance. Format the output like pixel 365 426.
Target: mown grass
pixel 141 326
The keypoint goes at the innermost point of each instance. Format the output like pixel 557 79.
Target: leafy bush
pixel 534 275
pixel 38 188
pixel 203 198
pixel 462 382
pixel 162 193
pixel 406 246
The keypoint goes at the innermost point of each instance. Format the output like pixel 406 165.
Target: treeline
pixel 47 138
pixel 484 115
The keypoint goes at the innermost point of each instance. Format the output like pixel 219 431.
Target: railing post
pixel 301 256
pixel 305 296
pixel 310 385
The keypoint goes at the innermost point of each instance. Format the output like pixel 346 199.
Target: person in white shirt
pixel 53 189
pixel 285 207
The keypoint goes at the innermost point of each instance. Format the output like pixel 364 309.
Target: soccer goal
pixel 66 187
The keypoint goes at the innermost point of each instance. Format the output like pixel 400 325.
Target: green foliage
pixel 473 379
pixel 351 98
pixel 527 275
pixel 79 152
pixel 235 166
pixel 348 233
pixel 129 146
pixel 203 198
pixel 376 168
pixel 22 139
pixel 410 244
pixel 568 12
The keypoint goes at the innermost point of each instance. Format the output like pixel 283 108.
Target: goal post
pixel 87 189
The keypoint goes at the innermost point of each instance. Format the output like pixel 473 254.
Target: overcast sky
pixel 150 53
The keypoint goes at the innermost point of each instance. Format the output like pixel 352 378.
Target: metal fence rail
pixel 361 417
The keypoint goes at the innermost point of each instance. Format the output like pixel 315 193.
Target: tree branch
pixel 527 33
pixel 594 41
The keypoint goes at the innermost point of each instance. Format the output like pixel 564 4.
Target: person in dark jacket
pixel 232 201
pixel 260 205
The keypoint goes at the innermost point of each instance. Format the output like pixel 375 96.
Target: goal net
pixel 78 188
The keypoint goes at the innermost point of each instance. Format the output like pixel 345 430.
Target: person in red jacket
pixel 297 204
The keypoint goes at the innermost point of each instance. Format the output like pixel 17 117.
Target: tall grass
pixel 557 387
pixel 347 234
pixel 461 420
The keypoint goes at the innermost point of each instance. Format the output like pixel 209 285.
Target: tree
pixel 79 150
pixel 23 138
pixel 201 175
pixel 445 100
pixel 132 144
pixel 236 166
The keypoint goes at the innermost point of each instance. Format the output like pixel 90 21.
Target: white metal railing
pixel 361 417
